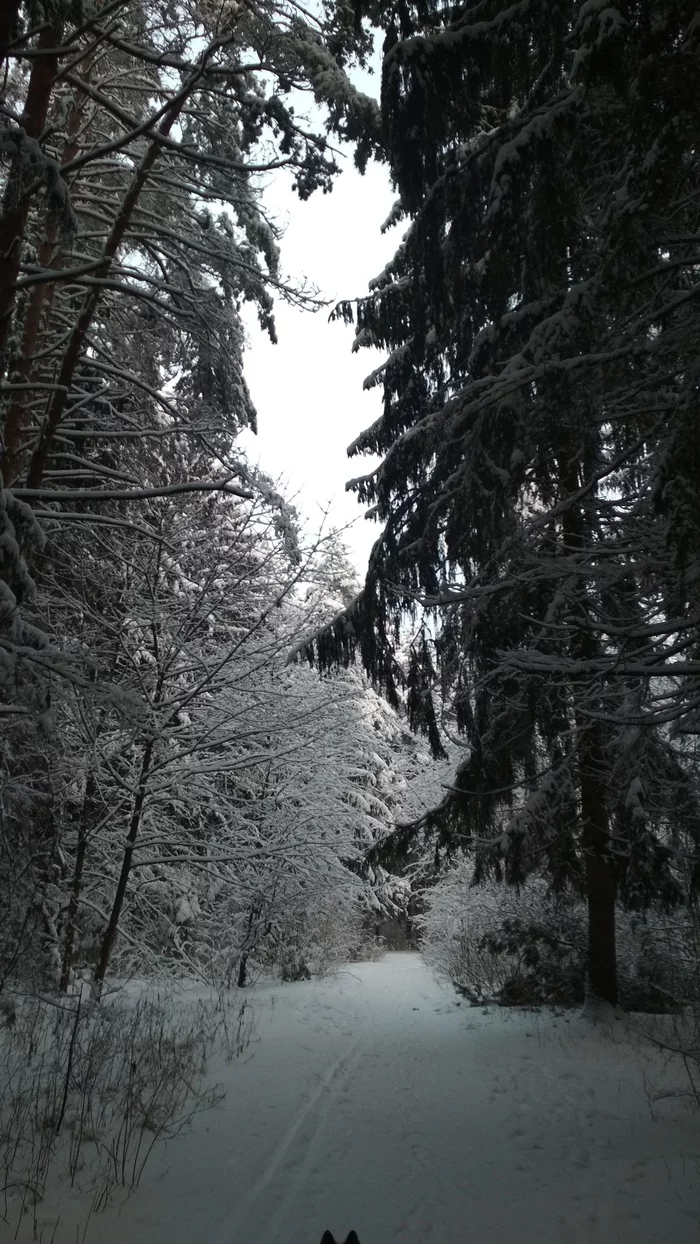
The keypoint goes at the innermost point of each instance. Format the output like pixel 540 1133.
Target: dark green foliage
pixel 551 959
pixel 549 963
pixel 538 487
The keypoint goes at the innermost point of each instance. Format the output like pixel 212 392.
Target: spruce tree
pixel 538 476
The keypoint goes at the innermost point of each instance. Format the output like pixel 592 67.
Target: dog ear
pixel 352 1238
pixel 328 1238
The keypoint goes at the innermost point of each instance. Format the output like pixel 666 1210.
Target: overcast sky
pixel 308 388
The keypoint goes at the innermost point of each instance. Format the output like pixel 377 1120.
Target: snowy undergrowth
pixel 526 945
pixel 89 1090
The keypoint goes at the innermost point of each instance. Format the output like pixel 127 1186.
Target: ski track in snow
pixel 319 1104
pixel 375 1101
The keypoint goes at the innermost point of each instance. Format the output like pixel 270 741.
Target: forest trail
pixel 375 1101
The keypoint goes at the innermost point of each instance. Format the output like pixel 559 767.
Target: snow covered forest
pixel 227 758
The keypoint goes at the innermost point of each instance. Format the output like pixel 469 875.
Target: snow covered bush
pixel 528 945
pixel 316 941
pixel 498 943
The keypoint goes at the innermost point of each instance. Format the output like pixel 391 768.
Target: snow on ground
pixel 375 1101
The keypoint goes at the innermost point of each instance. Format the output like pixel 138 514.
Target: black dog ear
pixel 329 1239
pixel 352 1238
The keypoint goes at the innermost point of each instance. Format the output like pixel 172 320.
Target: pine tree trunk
pixel 18 414
pixel 9 15
pixel 113 923
pixel 600 873
pixel 599 866
pixel 38 310
pixel 15 210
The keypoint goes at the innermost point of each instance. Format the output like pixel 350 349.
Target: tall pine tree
pixel 538 474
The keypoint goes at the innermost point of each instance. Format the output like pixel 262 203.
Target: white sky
pixel 308 388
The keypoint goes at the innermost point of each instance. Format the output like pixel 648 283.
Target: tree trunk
pixel 15 210
pixel 8 26
pixel 600 873
pixel 77 884
pixel 18 414
pixel 599 866
pixel 249 942
pixel 113 922
pixel 38 310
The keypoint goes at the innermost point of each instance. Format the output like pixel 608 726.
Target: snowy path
pixel 375 1101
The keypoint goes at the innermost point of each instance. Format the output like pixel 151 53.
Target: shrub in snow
pixel 88 1089
pixel 528 945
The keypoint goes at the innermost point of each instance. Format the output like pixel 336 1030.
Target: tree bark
pixel 599 871
pixel 77 883
pixel 38 310
pixel 8 26
pixel 17 200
